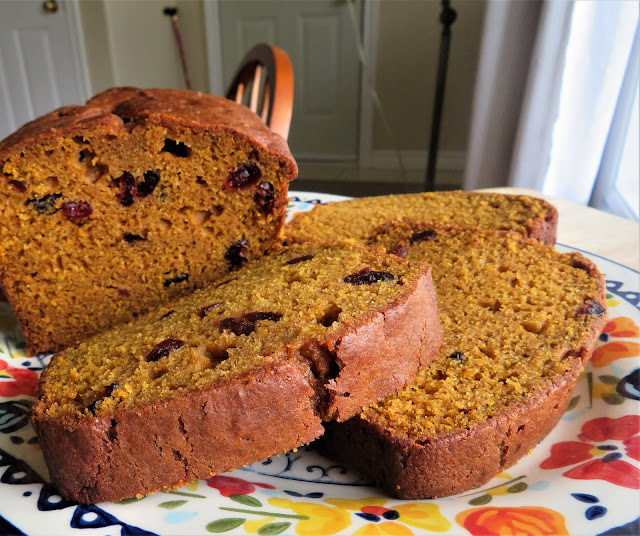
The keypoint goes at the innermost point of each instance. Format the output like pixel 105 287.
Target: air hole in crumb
pixel 51 182
pixel 48 152
pixel 178 149
pixel 80 139
pixel 201 181
pixel 60 263
pixel 216 210
pixel 521 427
pixel 330 316
pixel 216 355
pixel 155 374
pixel 165 224
pixel 201 216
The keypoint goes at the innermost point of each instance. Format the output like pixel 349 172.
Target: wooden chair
pixel 271 99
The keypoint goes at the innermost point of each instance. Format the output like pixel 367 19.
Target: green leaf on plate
pixel 517 488
pixel 609 380
pixel 171 504
pixel 573 403
pixel 225 524
pixel 271 529
pixel 613 399
pixel 128 501
pixel 483 499
pixel 247 500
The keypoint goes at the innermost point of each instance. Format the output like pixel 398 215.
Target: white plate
pixel 592 489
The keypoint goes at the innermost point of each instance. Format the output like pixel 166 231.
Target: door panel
pixel 319 38
pixel 38 69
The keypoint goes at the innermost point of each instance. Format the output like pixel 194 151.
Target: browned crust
pixel 166 107
pixel 166 444
pixel 414 468
pixel 545 230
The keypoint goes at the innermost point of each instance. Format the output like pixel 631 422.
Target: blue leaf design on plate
pixel 594 512
pixel 368 517
pixel 585 497
pixel 630 529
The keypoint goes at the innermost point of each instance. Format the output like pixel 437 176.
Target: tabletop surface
pixel 596 231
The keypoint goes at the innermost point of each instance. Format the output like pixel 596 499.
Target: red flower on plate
pixel 17 381
pixel 229 485
pixel 597 453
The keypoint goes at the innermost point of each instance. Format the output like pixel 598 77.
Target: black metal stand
pixel 447 18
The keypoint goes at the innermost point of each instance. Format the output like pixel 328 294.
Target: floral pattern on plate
pixel 582 479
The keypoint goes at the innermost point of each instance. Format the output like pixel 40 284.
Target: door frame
pixel 370 9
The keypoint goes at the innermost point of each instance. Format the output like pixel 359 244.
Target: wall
pixel 408 48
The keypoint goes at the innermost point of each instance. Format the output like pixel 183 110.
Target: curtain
pixel 572 132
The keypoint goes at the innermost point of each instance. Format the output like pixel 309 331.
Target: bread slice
pixel 519 322
pixel 357 218
pixel 233 374
pixel 134 199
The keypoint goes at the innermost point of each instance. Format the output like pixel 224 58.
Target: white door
pixel 40 61
pixel 319 37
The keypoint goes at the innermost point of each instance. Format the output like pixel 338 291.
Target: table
pixel 592 230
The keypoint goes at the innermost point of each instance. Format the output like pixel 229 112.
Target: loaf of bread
pixel 357 218
pixel 232 374
pixel 136 198
pixel 519 322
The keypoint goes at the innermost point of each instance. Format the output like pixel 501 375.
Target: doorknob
pixel 50 6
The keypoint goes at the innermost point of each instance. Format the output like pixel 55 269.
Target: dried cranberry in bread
pixel 134 199
pixel 232 374
pixel 357 218
pixel 519 322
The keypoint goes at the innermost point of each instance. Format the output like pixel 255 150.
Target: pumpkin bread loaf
pixel 136 198
pixel 519 322
pixel 232 374
pixel 357 218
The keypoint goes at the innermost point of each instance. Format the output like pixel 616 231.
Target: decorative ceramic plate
pixel 582 479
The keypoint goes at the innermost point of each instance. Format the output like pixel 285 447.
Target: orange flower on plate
pixel 620 327
pixel 516 521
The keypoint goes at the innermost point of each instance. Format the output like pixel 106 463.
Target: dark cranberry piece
pixel 127 186
pixel 131 238
pixel 18 185
pixel 176 279
pixel 76 210
pixel 367 277
pixel 592 307
pixel 246 175
pixel 46 204
pixel 108 391
pixel 178 149
pixel 236 255
pixel 246 324
pixel 203 311
pixel 400 251
pixel 163 349
pixel 265 197
pixel 124 292
pixel 458 356
pixel 146 187
pixel 296 260
pixel 423 236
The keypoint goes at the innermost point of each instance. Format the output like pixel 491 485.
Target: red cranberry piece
pixel 124 292
pixel 236 255
pixel 592 307
pixel 367 277
pixel 76 210
pixel 296 260
pixel 246 175
pixel 46 204
pixel 127 185
pixel 422 236
pixel 178 149
pixel 176 279
pixel 246 324
pixel 149 183
pixel 265 197
pixel 203 311
pixel 163 349
pixel 131 238
pixel 18 185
